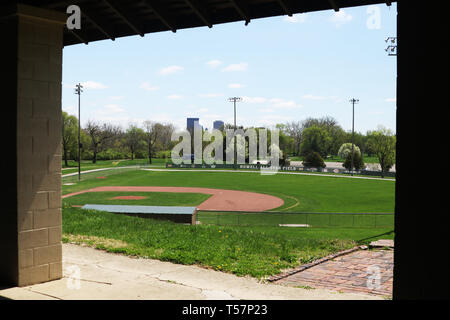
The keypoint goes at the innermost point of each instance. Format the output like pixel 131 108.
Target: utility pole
pixel 234 100
pixel 78 91
pixel 353 101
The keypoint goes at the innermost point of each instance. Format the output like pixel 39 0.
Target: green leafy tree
pixel 69 136
pixel 315 139
pixel 346 149
pixel 382 141
pixel 338 137
pixel 286 142
pixel 336 133
pixel 313 159
pixel 358 162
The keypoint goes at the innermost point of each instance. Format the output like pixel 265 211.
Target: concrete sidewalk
pixel 92 274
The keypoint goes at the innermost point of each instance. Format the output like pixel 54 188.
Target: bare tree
pixel 166 135
pixel 152 131
pixel 101 135
pixel 295 130
pixel 134 137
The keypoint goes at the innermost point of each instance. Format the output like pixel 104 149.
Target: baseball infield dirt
pixel 220 200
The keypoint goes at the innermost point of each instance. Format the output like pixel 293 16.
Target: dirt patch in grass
pixel 93 241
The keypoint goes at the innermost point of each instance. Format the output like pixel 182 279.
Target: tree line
pixel 312 138
pixel 320 138
pixel 105 141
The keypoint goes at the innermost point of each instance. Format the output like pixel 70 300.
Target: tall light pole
pixel 78 91
pixel 353 101
pixel 234 100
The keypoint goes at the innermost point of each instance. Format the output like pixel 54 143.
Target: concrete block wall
pixel 39 150
pixel 35 213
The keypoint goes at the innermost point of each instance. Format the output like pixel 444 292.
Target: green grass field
pixel 301 193
pixel 258 247
pixel 254 251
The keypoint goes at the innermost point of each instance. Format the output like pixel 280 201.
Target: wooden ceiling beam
pixel 162 14
pixel 200 11
pixel 118 10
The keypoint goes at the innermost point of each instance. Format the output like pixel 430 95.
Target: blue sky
pixel 286 69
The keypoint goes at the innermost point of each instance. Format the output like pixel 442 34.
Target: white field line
pixel 95 170
pixel 279 172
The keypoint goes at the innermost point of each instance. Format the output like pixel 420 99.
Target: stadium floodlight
pixel 234 100
pixel 391 49
pixel 78 91
pixel 353 102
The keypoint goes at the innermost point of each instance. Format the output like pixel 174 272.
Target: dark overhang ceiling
pixel 111 19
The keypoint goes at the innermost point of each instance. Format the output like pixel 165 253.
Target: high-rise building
pixel 218 124
pixel 192 123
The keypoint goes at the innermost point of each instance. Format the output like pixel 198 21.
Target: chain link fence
pixel 297 219
pixel 97 173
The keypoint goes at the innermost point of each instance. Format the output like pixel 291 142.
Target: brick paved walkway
pixel 362 271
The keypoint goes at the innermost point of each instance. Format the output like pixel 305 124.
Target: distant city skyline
pixel 284 68
pixel 218 124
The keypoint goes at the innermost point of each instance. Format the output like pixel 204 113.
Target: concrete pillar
pixel 30 219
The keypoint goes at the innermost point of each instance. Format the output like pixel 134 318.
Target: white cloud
pixel 214 63
pixel 341 17
pixel 174 97
pixel 236 67
pixel 235 85
pixel 210 95
pixel 170 70
pixel 296 18
pixel 274 103
pixel 202 110
pixel 313 97
pixel 391 100
pixel 93 85
pixel 148 87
